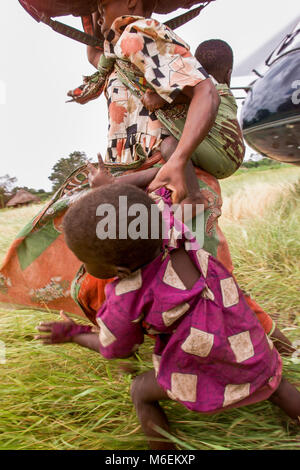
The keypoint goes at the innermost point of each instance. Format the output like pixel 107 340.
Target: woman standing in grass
pixel 38 268
pixel 139 49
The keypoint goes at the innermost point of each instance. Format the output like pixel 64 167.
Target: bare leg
pixel 282 343
pixel 287 398
pixel 145 394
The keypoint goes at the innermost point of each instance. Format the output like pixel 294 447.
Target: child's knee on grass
pixel 145 389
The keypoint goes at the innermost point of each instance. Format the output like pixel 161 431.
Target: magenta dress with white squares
pixel 210 351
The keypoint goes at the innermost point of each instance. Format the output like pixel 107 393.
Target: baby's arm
pixel 119 319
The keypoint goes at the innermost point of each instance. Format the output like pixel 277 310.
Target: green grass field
pixel 64 397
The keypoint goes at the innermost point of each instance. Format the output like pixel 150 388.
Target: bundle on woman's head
pixel 118 223
pixel 54 8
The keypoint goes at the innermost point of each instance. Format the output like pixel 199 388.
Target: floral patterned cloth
pixel 211 352
pixel 162 60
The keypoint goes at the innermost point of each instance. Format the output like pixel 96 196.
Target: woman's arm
pixel 93 53
pixel 190 79
pixel 200 118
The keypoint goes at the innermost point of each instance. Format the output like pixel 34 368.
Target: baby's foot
pixel 152 101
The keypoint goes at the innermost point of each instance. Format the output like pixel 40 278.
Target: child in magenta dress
pixel 210 353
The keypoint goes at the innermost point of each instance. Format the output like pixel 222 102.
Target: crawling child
pixel 210 352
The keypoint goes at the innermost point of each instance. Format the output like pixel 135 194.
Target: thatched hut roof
pixel 22 197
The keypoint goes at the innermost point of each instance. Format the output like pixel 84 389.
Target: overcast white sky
pixel 38 67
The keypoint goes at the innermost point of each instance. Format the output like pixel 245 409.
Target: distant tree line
pixel 60 171
pixel 263 162
pixel 65 166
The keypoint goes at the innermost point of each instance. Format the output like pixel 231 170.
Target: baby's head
pixel 112 9
pixel 104 230
pixel 216 57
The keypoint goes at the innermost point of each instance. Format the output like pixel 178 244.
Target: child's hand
pixel 152 101
pixel 101 176
pixel 58 332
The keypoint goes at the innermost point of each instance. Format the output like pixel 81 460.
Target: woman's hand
pixel 172 176
pixel 101 176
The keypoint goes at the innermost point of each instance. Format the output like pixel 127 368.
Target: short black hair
pixel 81 221
pixel 215 56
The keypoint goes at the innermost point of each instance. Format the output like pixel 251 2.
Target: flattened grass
pixel 62 397
pixel 65 397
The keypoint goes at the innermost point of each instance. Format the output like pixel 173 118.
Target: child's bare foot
pixel 282 343
pixel 287 398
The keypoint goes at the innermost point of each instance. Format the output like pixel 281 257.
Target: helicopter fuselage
pixel 271 111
